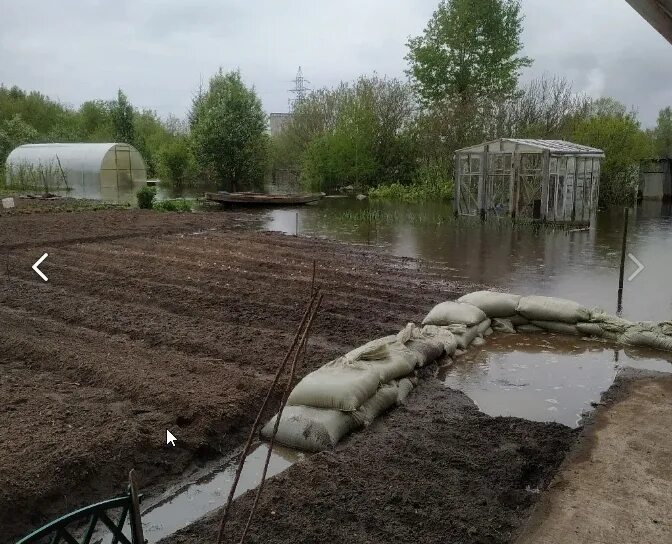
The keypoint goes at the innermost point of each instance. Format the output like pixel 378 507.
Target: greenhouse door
pixel 124 174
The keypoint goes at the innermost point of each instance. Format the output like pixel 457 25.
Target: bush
pixel 146 197
pixel 177 205
pixel 428 184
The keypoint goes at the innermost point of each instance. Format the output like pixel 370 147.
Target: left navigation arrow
pixel 38 263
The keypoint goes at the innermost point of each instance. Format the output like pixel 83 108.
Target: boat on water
pixel 263 199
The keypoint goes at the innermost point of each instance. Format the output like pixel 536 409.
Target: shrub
pixel 177 205
pixel 146 197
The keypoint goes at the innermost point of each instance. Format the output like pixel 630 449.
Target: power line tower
pixel 300 90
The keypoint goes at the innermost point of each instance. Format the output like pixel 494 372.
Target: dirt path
pixel 156 321
pixel 435 471
pixel 617 485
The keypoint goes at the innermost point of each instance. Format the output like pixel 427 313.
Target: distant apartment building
pixel 278 122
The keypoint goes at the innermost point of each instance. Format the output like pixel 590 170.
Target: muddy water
pixel 207 491
pixel 578 265
pixel 543 377
pixel 178 508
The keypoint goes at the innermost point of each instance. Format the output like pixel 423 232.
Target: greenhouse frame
pixel 102 171
pixel 541 180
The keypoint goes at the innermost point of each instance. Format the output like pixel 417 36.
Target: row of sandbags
pixel 351 391
pixel 511 313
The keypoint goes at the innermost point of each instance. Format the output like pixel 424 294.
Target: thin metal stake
pixel 619 305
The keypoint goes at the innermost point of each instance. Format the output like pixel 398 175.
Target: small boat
pixel 263 199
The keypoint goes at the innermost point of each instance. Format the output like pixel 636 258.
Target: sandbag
pixel 443 335
pixel 390 361
pixel 372 349
pixel 529 328
pixel 337 385
pixel 503 325
pixel 608 322
pixel 384 399
pixel 467 337
pixel 483 326
pixel 404 388
pixel 449 313
pixel 518 320
pixel 478 341
pixel 596 330
pixel 557 326
pixel 638 335
pixel 310 429
pixel 538 308
pixel 488 331
pixel 427 350
pixel 493 303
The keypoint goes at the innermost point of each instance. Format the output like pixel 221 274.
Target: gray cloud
pixel 157 51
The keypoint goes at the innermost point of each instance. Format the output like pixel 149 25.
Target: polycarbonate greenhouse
pixel 545 180
pixel 98 171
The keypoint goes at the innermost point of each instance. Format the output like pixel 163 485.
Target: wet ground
pixel 156 321
pixel 144 312
pixel 434 471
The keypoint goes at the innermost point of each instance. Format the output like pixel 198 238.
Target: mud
pixel 616 483
pixel 156 321
pixel 437 470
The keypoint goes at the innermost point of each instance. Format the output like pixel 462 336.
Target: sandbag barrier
pixel 348 393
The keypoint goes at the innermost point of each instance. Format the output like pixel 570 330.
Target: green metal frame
pixel 94 513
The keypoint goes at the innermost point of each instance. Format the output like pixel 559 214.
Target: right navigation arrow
pixel 640 267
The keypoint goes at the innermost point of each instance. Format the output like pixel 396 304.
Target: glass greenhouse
pixel 546 180
pixel 108 171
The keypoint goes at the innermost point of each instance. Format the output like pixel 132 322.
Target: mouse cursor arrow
pixel 170 439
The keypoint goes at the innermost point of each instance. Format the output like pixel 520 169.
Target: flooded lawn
pixel 543 377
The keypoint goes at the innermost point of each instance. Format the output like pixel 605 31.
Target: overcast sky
pixel 158 50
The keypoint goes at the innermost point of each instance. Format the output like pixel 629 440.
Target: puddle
pixel 543 377
pixel 179 507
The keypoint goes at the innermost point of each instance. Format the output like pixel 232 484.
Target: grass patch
pixel 174 205
pixel 435 191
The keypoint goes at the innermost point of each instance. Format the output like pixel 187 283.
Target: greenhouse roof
pixel 88 157
pixel 554 146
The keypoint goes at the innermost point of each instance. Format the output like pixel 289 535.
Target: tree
pixel 122 119
pixel 229 131
pixel 176 163
pixel 13 133
pixel 663 133
pixel 618 133
pixel 469 50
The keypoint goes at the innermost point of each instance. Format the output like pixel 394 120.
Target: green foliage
pixel 175 205
pixel 146 197
pixel 121 113
pixel 176 162
pixel 355 134
pixel 229 132
pixel 663 133
pixel 13 133
pixel 625 145
pixel 469 50
pixel 429 184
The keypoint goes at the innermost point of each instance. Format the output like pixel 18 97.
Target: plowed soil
pixel 156 321
pixel 436 471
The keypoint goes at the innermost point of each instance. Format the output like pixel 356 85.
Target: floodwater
pixel 544 377
pixel 181 506
pixel 579 265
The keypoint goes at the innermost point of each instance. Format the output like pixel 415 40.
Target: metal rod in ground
pixel 296 227
pixel 255 425
pixel 623 253
pixel 312 283
pixel 300 354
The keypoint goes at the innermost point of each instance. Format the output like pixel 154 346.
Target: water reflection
pixel 543 377
pixel 581 265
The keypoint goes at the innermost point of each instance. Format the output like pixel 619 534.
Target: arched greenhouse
pixel 110 171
